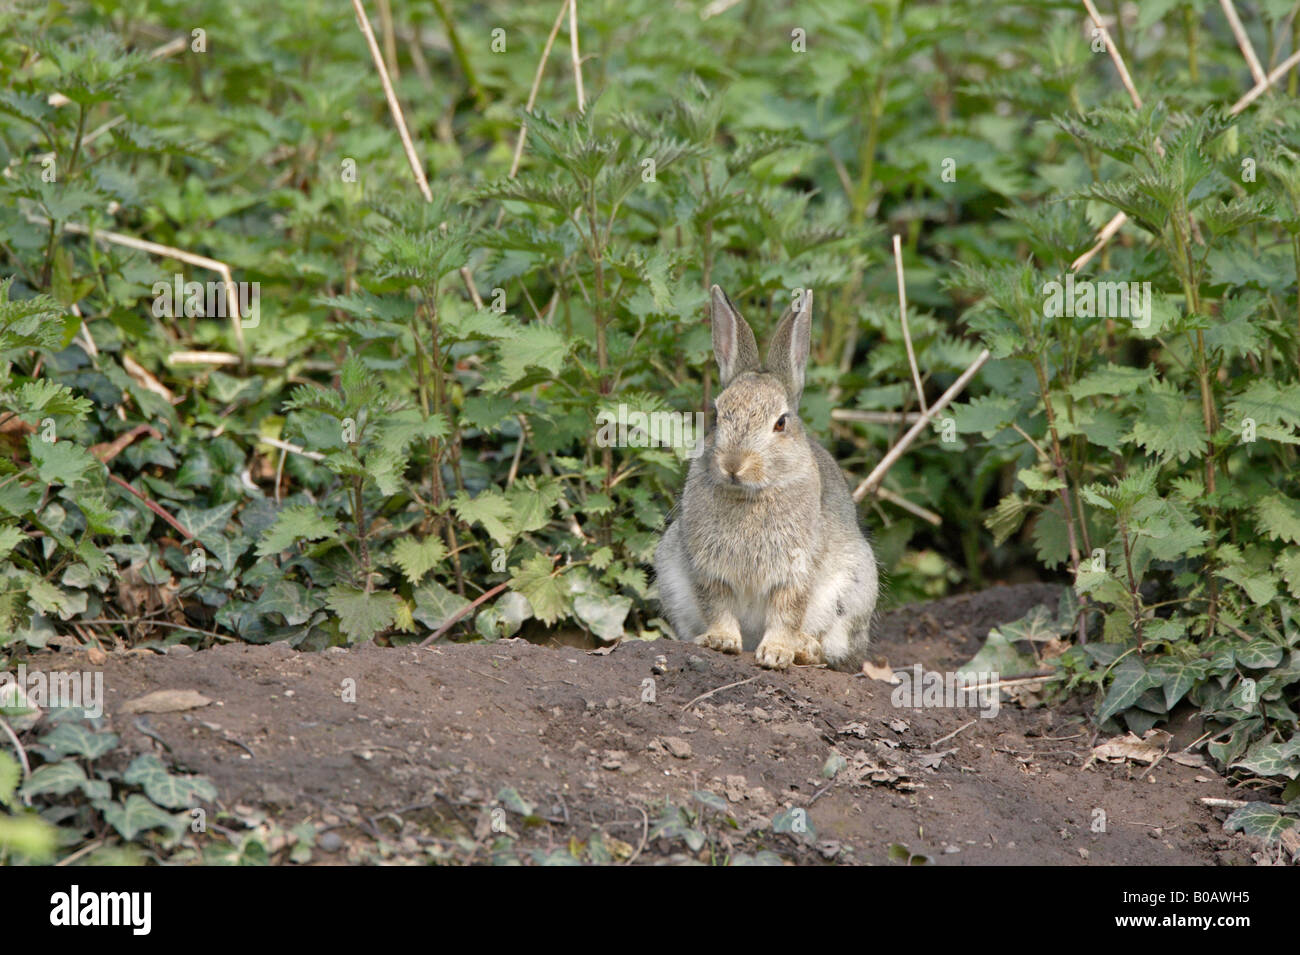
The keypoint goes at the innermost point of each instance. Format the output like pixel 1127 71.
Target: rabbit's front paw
pixel 728 641
pixel 779 649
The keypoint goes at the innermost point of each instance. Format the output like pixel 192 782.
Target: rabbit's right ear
pixel 733 340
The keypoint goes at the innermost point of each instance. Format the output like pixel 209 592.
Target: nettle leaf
pixel 1278 518
pixel 386 469
pixel 10 537
pixel 362 615
pixel 535 346
pixel 37 399
pixel 541 584
pixel 490 509
pixel 60 462
pixel 139 815
pixel 1260 820
pixel 77 739
pixel 1169 425
pixel 417 557
pixel 300 522
pixel 1268 402
pixel 1051 538
pixel 1111 380
pixel 1036 480
pixel 531 503
pixel 986 415
pixel 1288 565
pixel 1038 625
pixel 175 791
pixel 1005 519
pixel 399 429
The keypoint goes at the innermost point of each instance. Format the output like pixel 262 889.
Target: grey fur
pixel 765 552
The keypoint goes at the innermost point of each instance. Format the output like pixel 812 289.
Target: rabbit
pixel 765 552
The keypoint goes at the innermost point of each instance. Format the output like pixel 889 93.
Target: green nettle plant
pixel 1159 444
pixel 408 441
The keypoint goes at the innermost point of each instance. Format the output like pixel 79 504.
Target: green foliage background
pixel 449 452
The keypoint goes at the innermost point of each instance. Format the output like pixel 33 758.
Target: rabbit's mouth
pixel 740 471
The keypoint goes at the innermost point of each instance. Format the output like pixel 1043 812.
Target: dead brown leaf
pixel 1126 748
pixel 884 673
pixel 166 701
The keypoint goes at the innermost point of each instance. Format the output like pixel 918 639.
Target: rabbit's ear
pixel 788 353
pixel 733 339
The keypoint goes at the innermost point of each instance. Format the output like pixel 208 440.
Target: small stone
pixel 678 747
pixel 660 665
pixel 329 842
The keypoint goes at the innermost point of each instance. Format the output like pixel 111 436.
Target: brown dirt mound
pixel 414 769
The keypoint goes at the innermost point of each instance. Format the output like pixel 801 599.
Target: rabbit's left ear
pixel 788 353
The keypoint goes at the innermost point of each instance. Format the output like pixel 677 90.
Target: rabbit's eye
pixel 780 423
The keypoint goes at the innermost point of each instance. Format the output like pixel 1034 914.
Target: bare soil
pixel 437 739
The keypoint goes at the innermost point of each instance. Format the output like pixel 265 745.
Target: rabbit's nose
pixel 731 464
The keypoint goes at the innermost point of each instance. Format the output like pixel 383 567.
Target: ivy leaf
pixel 300 522
pixel 139 815
pixel 76 739
pixel 1273 759
pixel 435 604
pixel 362 615
pixel 175 791
pixel 1177 677
pixel 1260 655
pixel 10 774
pixel 289 599
pixel 531 504
pixel 603 616
pixel 1260 820
pixel 55 779
pixel 1130 680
